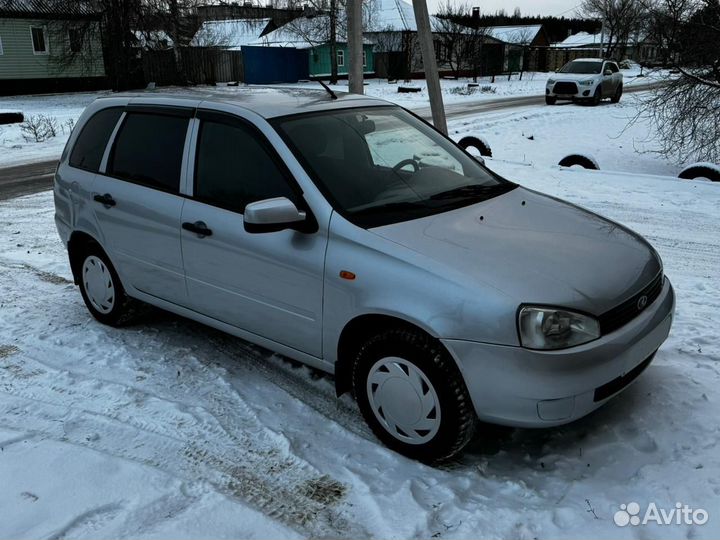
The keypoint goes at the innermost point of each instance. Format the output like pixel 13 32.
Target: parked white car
pixel 586 79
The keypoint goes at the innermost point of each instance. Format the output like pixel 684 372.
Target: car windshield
pixel 582 67
pixel 382 165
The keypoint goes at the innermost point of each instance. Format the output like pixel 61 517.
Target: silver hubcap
pixel 98 284
pixel 403 400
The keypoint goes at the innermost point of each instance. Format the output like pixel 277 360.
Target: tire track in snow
pixel 216 438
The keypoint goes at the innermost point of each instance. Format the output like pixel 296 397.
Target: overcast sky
pixel 528 7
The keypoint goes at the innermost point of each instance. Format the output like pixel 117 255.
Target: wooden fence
pixel 202 65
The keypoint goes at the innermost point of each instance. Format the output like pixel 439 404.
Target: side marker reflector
pixel 347 275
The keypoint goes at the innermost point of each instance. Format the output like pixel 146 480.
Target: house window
pixel 364 59
pixel 1 49
pixel 39 39
pixel 341 58
pixel 75 36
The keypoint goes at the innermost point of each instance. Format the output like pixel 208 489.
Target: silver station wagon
pixel 350 235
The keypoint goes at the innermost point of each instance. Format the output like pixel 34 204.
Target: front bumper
pixel 570 90
pixel 520 387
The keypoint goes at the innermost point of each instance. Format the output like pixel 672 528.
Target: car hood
pixel 573 76
pixel 535 249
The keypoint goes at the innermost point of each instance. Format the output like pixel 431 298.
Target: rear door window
pixel 92 141
pixel 234 168
pixel 148 150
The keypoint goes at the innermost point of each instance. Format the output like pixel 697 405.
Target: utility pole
pixel 602 38
pixel 422 19
pixel 355 46
pixel 333 42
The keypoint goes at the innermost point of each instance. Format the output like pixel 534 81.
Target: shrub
pixel 39 128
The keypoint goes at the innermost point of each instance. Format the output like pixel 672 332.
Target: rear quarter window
pixel 87 153
pixel 148 150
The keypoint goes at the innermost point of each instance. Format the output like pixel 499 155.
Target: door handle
pixel 198 228
pixel 106 200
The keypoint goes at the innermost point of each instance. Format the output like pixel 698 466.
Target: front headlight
pixel 551 81
pixel 588 82
pixel 550 328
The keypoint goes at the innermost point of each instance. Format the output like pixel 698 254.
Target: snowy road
pixel 170 429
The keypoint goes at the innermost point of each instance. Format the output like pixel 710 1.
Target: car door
pixel 608 81
pixel 137 201
pixel 270 284
pixel 616 76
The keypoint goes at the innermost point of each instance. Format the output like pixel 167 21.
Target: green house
pixel 320 57
pixel 43 50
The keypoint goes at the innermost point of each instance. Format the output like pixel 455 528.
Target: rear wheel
pixel 412 395
pixel 101 288
pixel 549 100
pixel 618 94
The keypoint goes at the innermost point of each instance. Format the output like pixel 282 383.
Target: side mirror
pixel 272 215
pixel 608 72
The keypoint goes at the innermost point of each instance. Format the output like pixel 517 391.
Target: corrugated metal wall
pixel 268 65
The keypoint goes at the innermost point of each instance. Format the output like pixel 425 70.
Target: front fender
pixel 394 281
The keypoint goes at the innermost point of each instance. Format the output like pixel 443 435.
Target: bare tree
pixel 329 16
pixel 686 111
pixel 621 19
pixel 522 38
pixel 665 22
pixel 460 45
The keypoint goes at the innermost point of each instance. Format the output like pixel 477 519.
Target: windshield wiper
pixel 475 191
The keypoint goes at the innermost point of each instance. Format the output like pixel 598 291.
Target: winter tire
pixel 412 395
pixel 101 288
pixel 597 97
pixel 578 159
pixel 700 171
pixel 550 100
pixel 478 144
pixel 618 94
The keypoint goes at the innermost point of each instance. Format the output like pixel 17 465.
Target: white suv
pixel 586 79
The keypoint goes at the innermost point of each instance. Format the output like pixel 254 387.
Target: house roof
pixel 516 35
pixel 232 34
pixel 303 33
pixel 46 9
pixel 581 39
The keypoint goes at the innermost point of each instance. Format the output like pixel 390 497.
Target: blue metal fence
pixel 268 65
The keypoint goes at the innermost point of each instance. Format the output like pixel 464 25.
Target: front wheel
pixel 618 94
pixel 549 100
pixel 412 395
pixel 597 96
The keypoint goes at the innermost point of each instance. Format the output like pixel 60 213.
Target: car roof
pixel 591 60
pixel 268 102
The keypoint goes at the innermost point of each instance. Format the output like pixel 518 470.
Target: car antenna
pixel 333 95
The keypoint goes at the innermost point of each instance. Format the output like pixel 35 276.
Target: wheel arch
pixel 356 332
pixel 77 245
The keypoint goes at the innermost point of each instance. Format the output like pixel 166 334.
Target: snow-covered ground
pixel 15 150
pixel 541 135
pixel 169 429
pixel 457 91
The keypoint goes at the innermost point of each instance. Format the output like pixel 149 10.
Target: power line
pixel 568 10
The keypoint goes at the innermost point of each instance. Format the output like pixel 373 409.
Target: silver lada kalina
pixel 350 235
